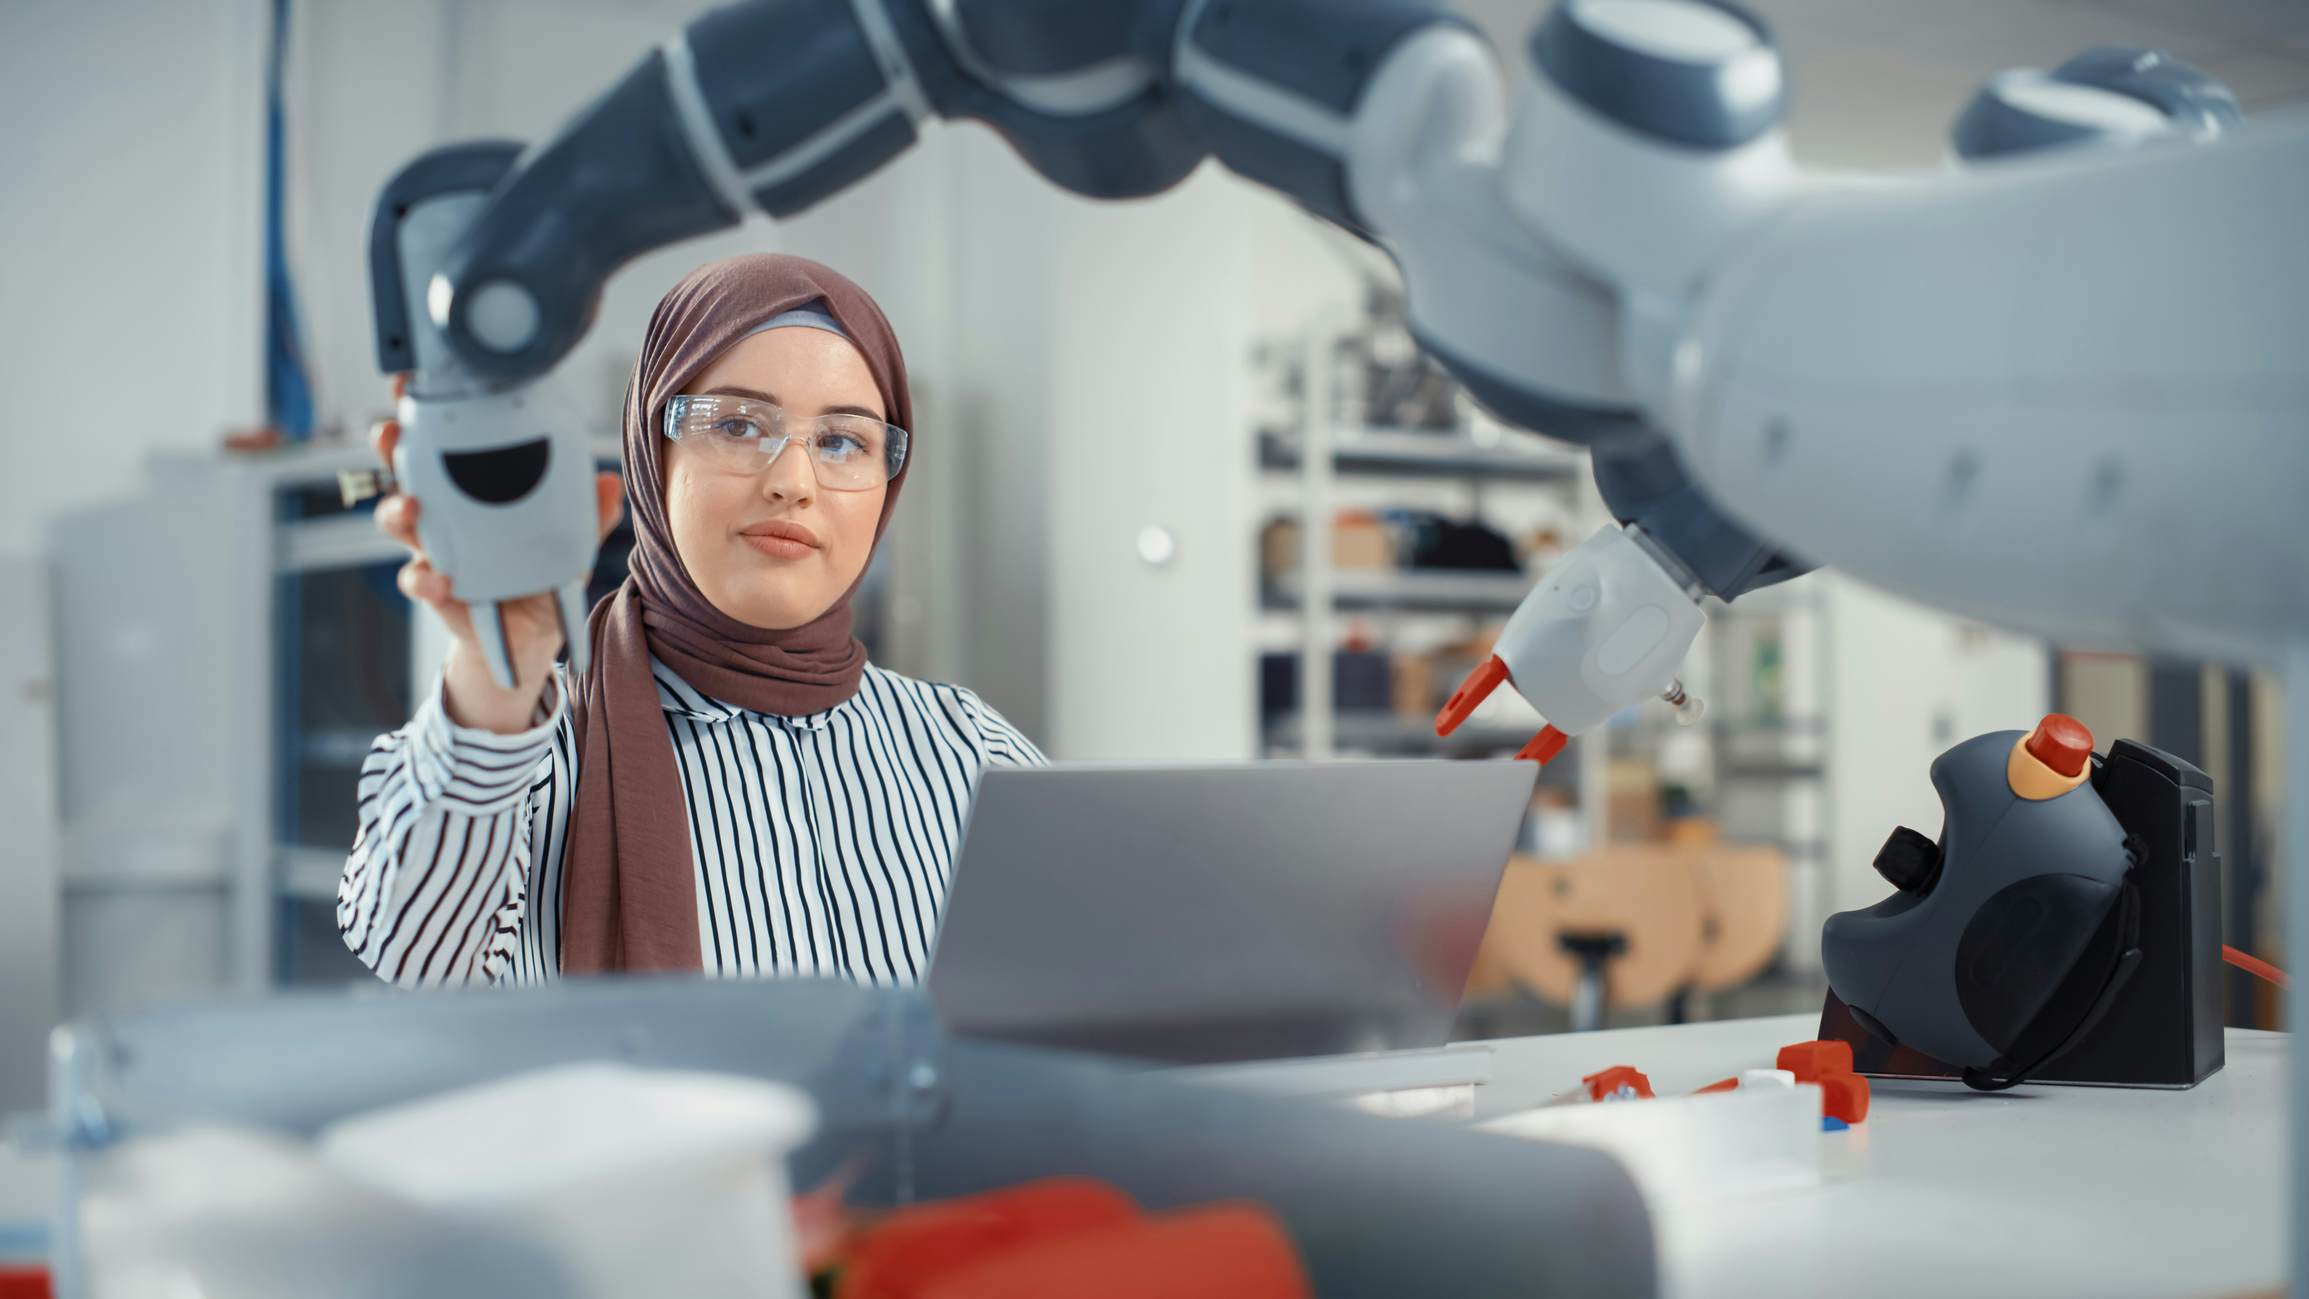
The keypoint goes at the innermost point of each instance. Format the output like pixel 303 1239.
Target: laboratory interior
pixel 952 649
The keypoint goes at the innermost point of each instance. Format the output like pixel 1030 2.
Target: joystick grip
pixel 1908 861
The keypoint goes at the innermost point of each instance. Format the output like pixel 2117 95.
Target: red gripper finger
pixel 1474 690
pixel 1544 746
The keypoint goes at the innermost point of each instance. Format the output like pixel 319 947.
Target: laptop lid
pixel 1224 912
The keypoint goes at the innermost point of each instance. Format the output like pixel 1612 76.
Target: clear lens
pixel 850 453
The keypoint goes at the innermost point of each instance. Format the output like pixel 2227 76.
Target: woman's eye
pixel 841 446
pixel 735 430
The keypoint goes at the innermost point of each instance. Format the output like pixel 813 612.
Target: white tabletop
pixel 2039 1191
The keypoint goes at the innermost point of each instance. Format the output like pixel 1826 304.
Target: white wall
pixel 129 251
pixel 1907 683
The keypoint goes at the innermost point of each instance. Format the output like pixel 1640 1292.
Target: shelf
pixel 1771 726
pixel 340 746
pixel 341 541
pixel 308 874
pixel 1431 589
pixel 1408 454
pixel 1739 768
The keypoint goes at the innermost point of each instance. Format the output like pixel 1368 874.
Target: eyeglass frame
pixel 897 442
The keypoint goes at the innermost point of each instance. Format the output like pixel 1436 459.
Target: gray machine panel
pixel 1225 913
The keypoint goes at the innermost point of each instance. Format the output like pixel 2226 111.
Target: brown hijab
pixel 629 891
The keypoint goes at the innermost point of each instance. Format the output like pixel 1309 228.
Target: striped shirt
pixel 823 844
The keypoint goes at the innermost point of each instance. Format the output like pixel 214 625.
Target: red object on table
pixel 1844 1096
pixel 1809 1060
pixel 1603 1084
pixel 24 1283
pixel 1843 1093
pixel 902 1255
pixel 1237 1251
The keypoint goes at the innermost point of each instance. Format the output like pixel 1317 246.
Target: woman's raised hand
pixel 532 624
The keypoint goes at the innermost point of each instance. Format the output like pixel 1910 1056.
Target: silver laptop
pixel 1224 913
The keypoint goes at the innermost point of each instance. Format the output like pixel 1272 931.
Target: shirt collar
pixel 679 697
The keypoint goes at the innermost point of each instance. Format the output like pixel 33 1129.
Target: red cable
pixel 2255 966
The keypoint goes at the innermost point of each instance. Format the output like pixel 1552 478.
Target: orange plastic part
pixel 1844 1096
pixel 904 1253
pixel 1809 1061
pixel 1473 691
pixel 1843 1093
pixel 1720 1085
pixel 1604 1083
pixel 1235 1250
pixel 2256 967
pixel 1543 747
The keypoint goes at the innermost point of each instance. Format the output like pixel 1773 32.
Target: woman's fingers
pixel 397 518
pixel 420 582
pixel 384 436
pixel 609 498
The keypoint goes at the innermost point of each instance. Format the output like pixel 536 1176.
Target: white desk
pixel 2041 1192
pixel 2038 1192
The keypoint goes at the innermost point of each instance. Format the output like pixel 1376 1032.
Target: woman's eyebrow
pixel 733 390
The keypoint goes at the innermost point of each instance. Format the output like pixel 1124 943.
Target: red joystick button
pixel 2062 743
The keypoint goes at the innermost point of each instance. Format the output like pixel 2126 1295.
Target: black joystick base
pixel 2164 1027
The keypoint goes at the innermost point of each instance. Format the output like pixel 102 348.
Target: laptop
pixel 1220 913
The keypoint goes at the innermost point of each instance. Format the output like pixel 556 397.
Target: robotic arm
pixel 1386 117
pixel 1968 385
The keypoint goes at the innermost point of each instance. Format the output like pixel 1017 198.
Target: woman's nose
pixel 791 476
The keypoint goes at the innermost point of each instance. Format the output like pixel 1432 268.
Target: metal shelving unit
pixel 1765 766
pixel 1407 590
pixel 1317 451
pixel 1784 753
pixel 1424 454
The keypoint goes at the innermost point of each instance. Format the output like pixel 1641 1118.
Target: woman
pixel 731 787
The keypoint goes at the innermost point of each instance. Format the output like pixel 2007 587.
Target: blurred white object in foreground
pixel 640 1182
pixel 583 1180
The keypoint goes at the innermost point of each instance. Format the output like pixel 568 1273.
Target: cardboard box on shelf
pixel 1358 541
pixel 1412 681
pixel 1632 801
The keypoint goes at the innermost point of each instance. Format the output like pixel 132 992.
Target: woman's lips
pixel 780 540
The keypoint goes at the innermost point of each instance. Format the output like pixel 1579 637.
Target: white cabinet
pixel 229 643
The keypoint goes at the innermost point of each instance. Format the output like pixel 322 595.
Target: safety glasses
pixel 741 435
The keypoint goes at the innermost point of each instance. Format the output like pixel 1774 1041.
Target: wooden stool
pixel 1744 909
pixel 1647 897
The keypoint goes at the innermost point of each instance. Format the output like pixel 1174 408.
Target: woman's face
pixel 773 549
